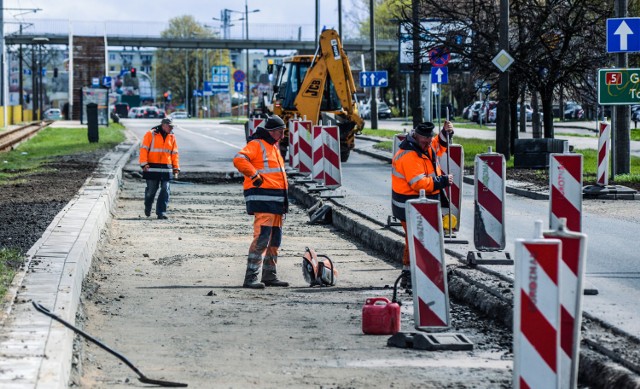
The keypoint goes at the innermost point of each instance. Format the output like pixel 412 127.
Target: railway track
pixel 11 138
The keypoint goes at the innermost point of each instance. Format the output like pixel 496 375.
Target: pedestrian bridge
pixel 300 37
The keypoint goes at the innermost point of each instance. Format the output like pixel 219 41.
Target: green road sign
pixel 618 86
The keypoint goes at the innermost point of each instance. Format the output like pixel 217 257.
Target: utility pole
pixel 417 66
pixel 620 137
pixel 503 122
pixel 373 101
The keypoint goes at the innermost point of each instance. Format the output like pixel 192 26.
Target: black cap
pixel 274 122
pixel 424 129
pixel 167 121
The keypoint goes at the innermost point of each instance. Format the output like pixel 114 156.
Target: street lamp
pixel 40 101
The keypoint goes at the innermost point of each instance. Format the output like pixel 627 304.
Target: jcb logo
pixel 314 88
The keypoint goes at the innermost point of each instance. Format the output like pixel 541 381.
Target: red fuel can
pixel 380 316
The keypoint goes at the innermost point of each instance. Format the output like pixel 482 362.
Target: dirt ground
pixel 168 295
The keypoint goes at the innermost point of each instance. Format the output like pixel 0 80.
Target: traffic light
pixel 133 72
pixel 55 72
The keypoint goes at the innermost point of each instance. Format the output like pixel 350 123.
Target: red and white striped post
pixel 331 155
pixel 254 123
pixel 572 268
pixel 305 149
pixel 536 318
pixel 397 139
pixel 603 154
pixel 490 192
pixel 428 267
pixel 565 190
pixel 317 167
pixel 456 156
pixel 294 158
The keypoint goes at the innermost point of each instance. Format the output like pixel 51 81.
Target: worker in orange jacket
pixel 159 160
pixel 265 193
pixel 414 167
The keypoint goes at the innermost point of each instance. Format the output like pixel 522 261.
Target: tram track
pixel 11 138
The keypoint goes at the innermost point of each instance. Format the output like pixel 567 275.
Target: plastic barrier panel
pixel 317 166
pixel 603 154
pixel 456 156
pixel 254 123
pixel 490 192
pixel 565 189
pixel 304 146
pixel 397 139
pixel 428 268
pixel 294 158
pixel 536 315
pixel 331 154
pixel 571 275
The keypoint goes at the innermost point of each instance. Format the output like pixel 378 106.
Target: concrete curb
pixel 36 351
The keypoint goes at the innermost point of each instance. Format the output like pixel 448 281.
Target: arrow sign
pixel 623 35
pixel 374 79
pixel 440 75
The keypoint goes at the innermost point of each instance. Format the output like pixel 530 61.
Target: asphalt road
pixel 611 226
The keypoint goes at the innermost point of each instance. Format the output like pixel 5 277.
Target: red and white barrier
pixel 428 268
pixel 572 268
pixel 490 192
pixel 317 167
pixel 305 149
pixel 331 155
pixel 603 154
pixel 397 139
pixel 565 189
pixel 294 158
pixel 536 318
pixel 456 156
pixel 254 123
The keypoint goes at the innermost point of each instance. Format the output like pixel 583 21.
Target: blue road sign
pixel 220 79
pixel 623 35
pixel 239 86
pixel 374 79
pixel 26 72
pixel 106 81
pixel 440 75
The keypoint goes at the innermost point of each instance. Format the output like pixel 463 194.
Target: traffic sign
pixel 618 86
pixel 239 86
pixel 220 78
pixel 374 79
pixel 440 75
pixel 502 60
pixel 238 76
pixel 439 56
pixel 106 81
pixel 623 35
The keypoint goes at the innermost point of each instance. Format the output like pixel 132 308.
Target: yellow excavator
pixel 319 87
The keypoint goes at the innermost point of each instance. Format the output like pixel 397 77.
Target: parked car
pixel 52 114
pixel 122 109
pixel 150 112
pixel 179 115
pixel 528 112
pixel 480 110
pixel 135 113
pixel 384 112
pixel 573 110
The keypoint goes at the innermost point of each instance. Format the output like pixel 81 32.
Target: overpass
pixel 145 34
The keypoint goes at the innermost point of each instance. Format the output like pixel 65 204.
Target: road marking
pixel 212 138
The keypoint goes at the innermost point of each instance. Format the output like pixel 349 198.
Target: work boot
pixel 405 281
pixel 276 282
pixel 251 282
pixel 147 212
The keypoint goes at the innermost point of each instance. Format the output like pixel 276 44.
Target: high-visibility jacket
pixel 160 152
pixel 413 169
pixel 260 156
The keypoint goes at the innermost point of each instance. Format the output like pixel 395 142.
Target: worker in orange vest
pixel 265 193
pixel 414 167
pixel 159 160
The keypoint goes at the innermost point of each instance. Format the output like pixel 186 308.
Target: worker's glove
pixel 448 129
pixel 441 182
pixel 256 180
pixel 175 174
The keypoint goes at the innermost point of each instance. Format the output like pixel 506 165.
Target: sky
pixel 271 11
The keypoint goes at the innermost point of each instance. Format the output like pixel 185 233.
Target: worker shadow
pixel 332 289
pixel 192 287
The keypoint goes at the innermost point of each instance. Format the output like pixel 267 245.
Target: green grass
pixel 53 142
pixel 635 134
pixel 10 261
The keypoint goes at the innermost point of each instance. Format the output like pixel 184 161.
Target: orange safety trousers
pixel 263 252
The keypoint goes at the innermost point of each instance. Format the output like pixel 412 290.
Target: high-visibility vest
pixel 260 157
pixel 411 171
pixel 160 153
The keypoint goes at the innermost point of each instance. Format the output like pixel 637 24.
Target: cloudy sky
pixel 271 11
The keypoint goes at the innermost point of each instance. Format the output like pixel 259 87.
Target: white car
pixel 52 114
pixel 179 115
